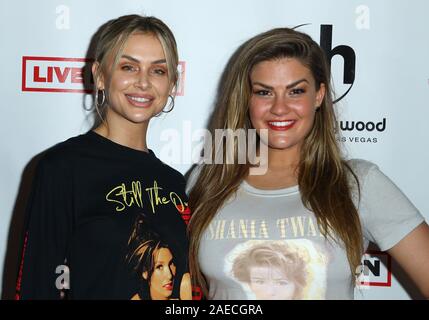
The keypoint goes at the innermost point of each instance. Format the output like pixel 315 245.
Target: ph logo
pixel 346 52
pixel 375 270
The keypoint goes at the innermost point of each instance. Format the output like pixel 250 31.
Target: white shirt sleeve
pixel 387 214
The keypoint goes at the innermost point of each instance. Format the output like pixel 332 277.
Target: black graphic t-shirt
pixel 104 221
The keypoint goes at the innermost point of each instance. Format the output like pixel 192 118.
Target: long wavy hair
pixel 324 177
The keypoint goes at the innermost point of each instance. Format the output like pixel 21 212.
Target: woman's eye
pixel 297 91
pixel 258 281
pixel 261 92
pixel 159 267
pixel 282 282
pixel 160 71
pixel 128 68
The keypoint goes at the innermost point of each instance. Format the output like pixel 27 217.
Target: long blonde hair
pixel 323 175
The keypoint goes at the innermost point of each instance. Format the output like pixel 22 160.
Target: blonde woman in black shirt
pixel 90 189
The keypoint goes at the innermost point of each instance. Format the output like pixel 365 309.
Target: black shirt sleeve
pixel 48 229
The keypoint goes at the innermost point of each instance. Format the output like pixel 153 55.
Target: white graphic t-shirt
pixel 264 244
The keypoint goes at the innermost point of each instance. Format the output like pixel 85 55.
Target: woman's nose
pixel 169 273
pixel 280 106
pixel 143 81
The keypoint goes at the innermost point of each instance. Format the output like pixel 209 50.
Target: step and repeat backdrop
pixel 379 56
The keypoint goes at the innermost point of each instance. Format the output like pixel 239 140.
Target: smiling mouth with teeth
pixel 281 125
pixel 138 99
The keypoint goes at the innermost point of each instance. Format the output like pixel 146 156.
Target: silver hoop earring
pixel 171 104
pixel 97 98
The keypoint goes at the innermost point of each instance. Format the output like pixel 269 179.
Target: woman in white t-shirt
pixel 278 83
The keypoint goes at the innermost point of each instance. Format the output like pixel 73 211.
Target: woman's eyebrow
pixel 130 58
pixel 159 61
pixel 138 61
pixel 293 84
pixel 263 85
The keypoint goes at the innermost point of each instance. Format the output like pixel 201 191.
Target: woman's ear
pixel 320 94
pixel 145 275
pixel 97 75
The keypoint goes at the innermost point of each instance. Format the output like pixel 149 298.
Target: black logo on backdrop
pixel 346 52
pixel 363 126
pixel 376 269
pixel 349 73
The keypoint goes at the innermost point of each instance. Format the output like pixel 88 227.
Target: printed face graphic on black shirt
pixel 156 262
pixel 162 279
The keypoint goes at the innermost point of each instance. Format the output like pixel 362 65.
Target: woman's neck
pixel 121 131
pixel 282 170
pixel 283 160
